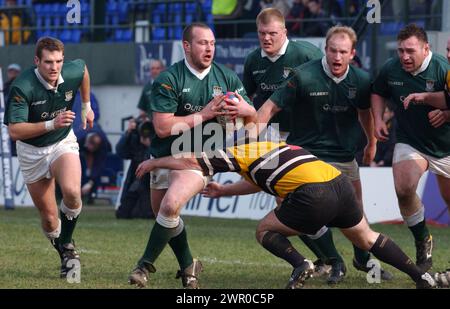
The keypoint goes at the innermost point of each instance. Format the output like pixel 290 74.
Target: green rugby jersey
pixel 324 115
pixel 178 91
pixel 413 125
pixel 262 76
pixel 30 101
pixel 144 100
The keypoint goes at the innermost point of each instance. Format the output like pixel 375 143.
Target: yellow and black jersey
pixel 277 168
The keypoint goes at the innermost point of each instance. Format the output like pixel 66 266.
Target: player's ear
pixel 36 60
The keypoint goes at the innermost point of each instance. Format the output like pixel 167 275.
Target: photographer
pixel 134 145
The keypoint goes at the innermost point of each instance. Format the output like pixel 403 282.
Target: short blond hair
pixel 267 15
pixel 345 30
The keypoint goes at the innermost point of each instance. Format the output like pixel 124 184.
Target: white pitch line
pixel 239 262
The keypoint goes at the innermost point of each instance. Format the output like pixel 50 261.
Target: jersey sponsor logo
pixel 351 93
pixel 394 83
pixel 319 94
pixel 335 109
pixel 217 90
pixel 429 86
pixel 46 115
pixel 269 87
pixel 189 107
pixel 259 72
pixel 185 90
pixel 38 103
pixel 69 95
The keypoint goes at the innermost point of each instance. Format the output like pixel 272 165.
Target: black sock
pixel 387 251
pixel 281 247
pixel 67 228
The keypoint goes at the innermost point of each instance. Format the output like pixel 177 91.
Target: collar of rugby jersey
pixel 424 65
pixel 326 69
pixel 47 85
pixel 199 75
pixel 280 53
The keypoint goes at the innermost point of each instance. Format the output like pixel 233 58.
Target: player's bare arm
pixel 435 99
pixel 87 114
pixel 186 162
pixel 26 130
pixel 378 105
pixel 366 121
pixel 265 113
pixel 167 124
pixel 242 187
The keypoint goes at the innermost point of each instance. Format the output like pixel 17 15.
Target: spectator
pixel 385 150
pixel 76 108
pixel 14 18
pixel 299 10
pixel 226 10
pixel 280 5
pixel 94 148
pixel 316 27
pixel 12 72
pixel 134 145
pixel 156 67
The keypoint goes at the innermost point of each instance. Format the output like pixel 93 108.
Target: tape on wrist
pixel 50 125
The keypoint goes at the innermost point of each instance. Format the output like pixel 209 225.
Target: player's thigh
pixel 42 193
pixel 408 166
pixel 361 235
pixel 183 185
pixel 67 171
pixel 156 197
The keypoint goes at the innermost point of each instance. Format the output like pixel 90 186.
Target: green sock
pixel 67 228
pixel 420 231
pixel 361 256
pixel 312 246
pixel 326 245
pixel 159 237
pixel 180 247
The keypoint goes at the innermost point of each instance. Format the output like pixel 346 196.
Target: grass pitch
pixel 231 257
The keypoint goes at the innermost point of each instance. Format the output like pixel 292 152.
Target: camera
pixel 144 127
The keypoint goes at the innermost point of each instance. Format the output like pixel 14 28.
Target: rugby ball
pixel 226 122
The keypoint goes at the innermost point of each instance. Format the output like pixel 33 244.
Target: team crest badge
pixel 429 86
pixel 217 90
pixel 286 72
pixel 351 93
pixel 69 95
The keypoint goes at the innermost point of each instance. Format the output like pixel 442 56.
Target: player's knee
pixel 72 196
pixel 69 211
pixel 260 232
pixel 405 191
pixel 170 206
pixel 49 221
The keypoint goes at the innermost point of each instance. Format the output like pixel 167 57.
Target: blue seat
pixel 158 34
pixel 65 36
pixel 76 36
